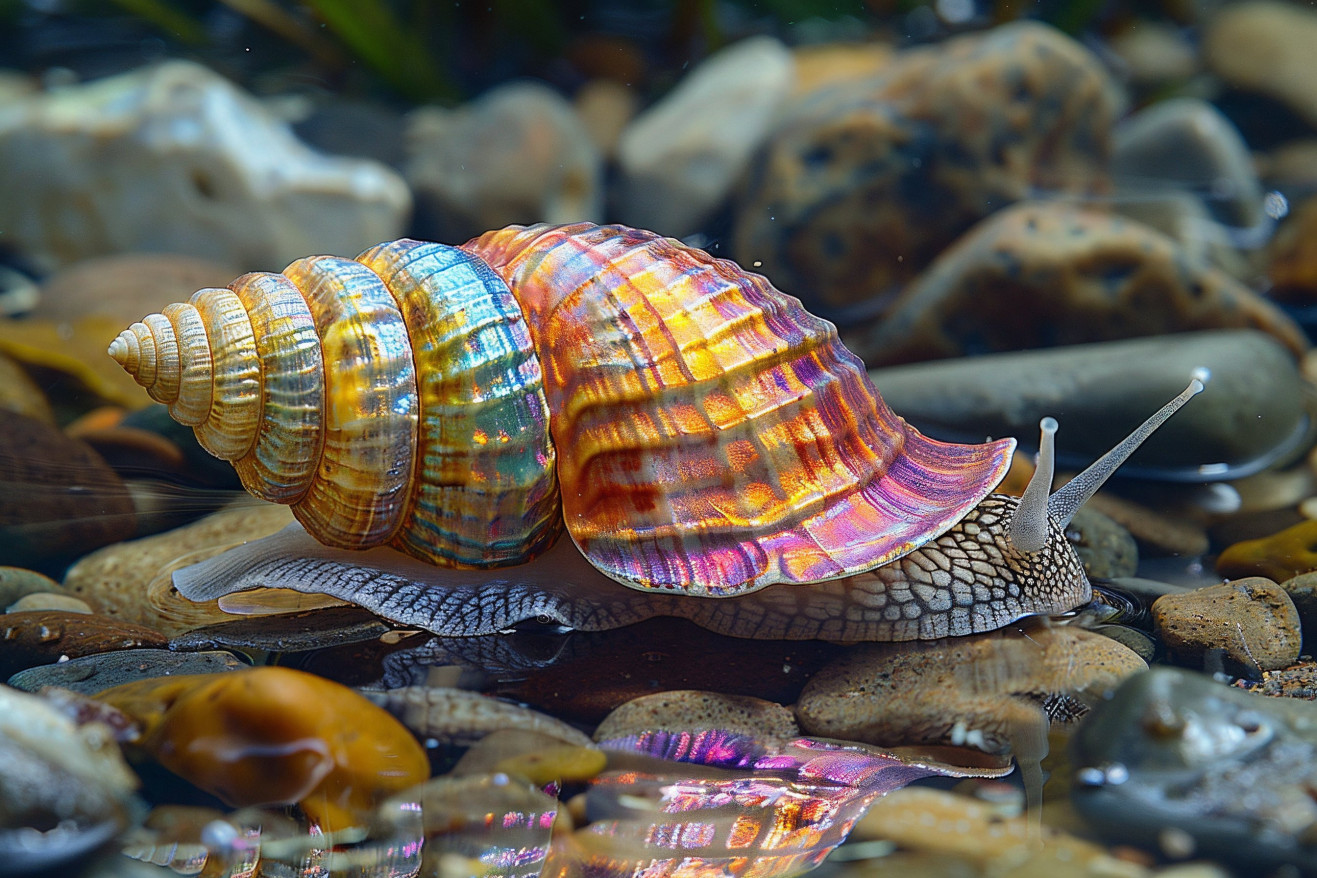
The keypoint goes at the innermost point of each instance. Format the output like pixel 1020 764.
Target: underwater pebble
pixel 1266 47
pixel 861 184
pixel 65 789
pixel 20 394
pixel 1302 589
pixel 1163 534
pixel 517 154
pixel 90 674
pixel 41 637
pixel 1154 53
pixel 1299 680
pixel 273 735
pixel 60 499
pixel 679 159
pixel 1251 623
pixel 71 356
pixel 1292 255
pixel 49 600
pixel 996 694
pixel 462 717
pixel 175 158
pixel 15 582
pixel 1105 548
pixel 1280 556
pixel 1252 416
pixel 1041 274
pixel 124 286
pixel 128 580
pixel 605 108
pixel 1139 643
pixel 821 65
pixel 689 710
pixel 539 758
pixel 323 628
pixel 1228 771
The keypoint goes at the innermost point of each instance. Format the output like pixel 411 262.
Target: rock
pixel 128 581
pixel 60 499
pixel 1226 770
pixel 821 65
pixel 1186 144
pixel 1155 54
pixel 65 789
pixel 272 735
pixel 15 582
pixel 49 600
pixel 536 757
pixel 518 154
pixel 20 394
pixel 1292 255
pixel 994 693
pixel 1162 533
pixel 1139 643
pixel 1302 589
pixel 1105 548
pixel 680 158
pixel 93 673
pixel 42 637
pixel 1252 417
pixel 320 629
pixel 1279 557
pixel 689 710
pixel 1266 47
pixel 461 717
pixel 174 158
pixel 124 286
pixel 1251 623
pixel 605 108
pixel 861 184
pixel 1297 681
pixel 1043 274
pixel 71 356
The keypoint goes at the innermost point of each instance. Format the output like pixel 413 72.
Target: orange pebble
pixel 275 736
pixel 1277 557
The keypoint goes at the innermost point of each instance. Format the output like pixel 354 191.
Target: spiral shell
pixel 711 436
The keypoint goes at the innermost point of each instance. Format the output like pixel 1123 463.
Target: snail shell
pixel 699 429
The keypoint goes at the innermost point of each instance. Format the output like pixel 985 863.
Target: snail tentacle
pixel 1028 531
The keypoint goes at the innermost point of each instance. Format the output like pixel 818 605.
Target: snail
pixel 695 431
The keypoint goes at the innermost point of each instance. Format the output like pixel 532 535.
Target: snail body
pixel 700 432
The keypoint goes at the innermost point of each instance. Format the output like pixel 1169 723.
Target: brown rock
pixel 864 182
pixel 1043 274
pixel 43 637
pixel 19 393
pixel 1251 623
pixel 1266 46
pixel 1293 254
pixel 128 285
pixel 1278 557
pixel 688 710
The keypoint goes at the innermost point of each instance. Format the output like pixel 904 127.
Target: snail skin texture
pixel 695 431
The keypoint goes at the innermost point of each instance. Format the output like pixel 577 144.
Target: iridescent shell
pixel 712 436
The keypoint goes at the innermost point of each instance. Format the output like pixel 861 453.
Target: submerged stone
pixel 1251 623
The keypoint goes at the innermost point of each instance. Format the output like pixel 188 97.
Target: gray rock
pixel 1250 623
pixel 1174 750
pixel 1105 548
pixel 1252 415
pixel 94 673
pixel 1302 589
pixel 174 158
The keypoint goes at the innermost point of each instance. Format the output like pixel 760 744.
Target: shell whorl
pixel 708 434
pixel 392 399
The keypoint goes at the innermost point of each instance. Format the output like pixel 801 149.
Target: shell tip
pixel 119 350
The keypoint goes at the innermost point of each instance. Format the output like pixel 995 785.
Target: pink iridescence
pixel 713 436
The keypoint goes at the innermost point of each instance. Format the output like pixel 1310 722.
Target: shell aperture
pixel 710 436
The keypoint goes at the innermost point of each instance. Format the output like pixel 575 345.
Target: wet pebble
pixel 1158 533
pixel 20 394
pixel 129 580
pixel 457 716
pixel 1292 255
pixel 41 637
pixel 167 136
pixel 1250 623
pixel 1253 415
pixel 93 673
pixel 15 582
pixel 324 628
pixel 1280 556
pixel 541 759
pixel 1266 47
pixel 1040 274
pixel 523 155
pixel 862 183
pixel 1106 549
pixel 1222 773
pixel 272 735
pixel 1299 680
pixel 683 146
pixel 1135 640
pixel 688 710
pixel 49 600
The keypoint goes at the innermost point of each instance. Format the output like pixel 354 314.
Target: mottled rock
pixel 1297 681
pixel 42 637
pixel 175 158
pixel 1105 548
pixel 130 581
pixel 93 673
pixel 60 499
pixel 1250 623
pixel 862 183
pixel 65 789
pixel 461 717
pixel 689 710
pixel 680 158
pixel 1279 556
pixel 272 735
pixel 518 154
pixel 1229 772
pixel 1044 274
pixel 995 693
pixel 1253 416
pixel 1265 46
